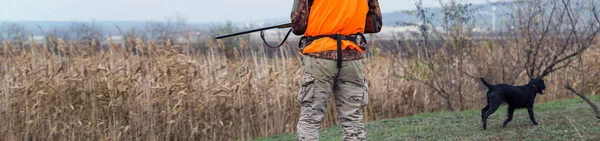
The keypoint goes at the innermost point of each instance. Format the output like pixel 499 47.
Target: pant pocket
pixel 365 99
pixel 306 89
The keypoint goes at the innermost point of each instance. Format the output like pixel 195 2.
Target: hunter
pixel 333 50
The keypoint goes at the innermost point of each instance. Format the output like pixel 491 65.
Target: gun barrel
pixel 286 25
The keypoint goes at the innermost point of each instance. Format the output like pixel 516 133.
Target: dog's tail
pixel 487 84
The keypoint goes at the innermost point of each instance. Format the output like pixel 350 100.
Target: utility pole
pixel 493 3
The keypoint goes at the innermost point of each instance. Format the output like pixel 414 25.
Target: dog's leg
pixel 484 110
pixel 493 107
pixel 531 116
pixel 511 110
pixel 487 106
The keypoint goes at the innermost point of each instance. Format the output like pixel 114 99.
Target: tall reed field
pixel 141 90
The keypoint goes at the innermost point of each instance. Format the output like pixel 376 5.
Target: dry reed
pixel 153 92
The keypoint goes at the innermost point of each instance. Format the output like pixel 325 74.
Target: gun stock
pixel 286 25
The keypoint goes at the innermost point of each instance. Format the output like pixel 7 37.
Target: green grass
pixel 570 119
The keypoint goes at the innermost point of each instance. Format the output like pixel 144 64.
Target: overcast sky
pixel 143 10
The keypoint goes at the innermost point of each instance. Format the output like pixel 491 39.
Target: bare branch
pixel 573 40
pixel 588 101
pixel 550 67
pixel 428 84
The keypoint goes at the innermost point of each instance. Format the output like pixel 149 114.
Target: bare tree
pixel 454 41
pixel 553 37
pixel 549 32
pixel 86 30
pixel 12 31
pixel 553 33
pixel 168 29
pixel 228 44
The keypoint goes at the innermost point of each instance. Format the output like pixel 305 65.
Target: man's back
pixel 329 17
pixel 337 17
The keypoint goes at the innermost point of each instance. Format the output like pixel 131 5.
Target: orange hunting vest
pixel 335 17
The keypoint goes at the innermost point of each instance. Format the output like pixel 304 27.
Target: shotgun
pixel 286 25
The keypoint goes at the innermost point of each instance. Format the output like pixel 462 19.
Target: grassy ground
pixel 570 119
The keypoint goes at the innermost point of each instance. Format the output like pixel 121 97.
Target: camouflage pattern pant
pixel 350 93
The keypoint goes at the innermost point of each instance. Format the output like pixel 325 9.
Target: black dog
pixel 515 96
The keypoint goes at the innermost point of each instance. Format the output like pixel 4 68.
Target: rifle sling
pixel 338 38
pixel 262 36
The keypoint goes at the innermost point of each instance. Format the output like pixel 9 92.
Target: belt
pixel 347 55
pixel 339 54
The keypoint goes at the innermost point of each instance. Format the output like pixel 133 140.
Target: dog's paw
pixel 535 123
